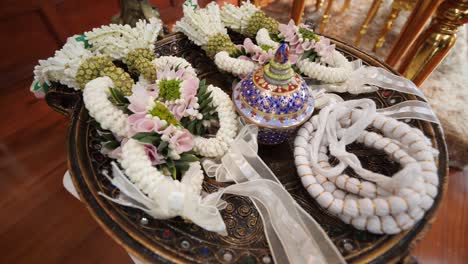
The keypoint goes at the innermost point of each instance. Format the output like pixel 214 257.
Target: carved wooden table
pixel 175 240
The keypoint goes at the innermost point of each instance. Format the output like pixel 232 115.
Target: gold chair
pixel 397 7
pixel 298 10
pixel 431 47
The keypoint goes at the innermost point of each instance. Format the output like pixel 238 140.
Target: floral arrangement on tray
pixel 314 56
pixel 160 125
pixel 160 120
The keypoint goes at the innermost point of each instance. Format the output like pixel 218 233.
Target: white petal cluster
pixel 235 66
pixel 117 40
pixel 263 38
pixel 364 204
pixel 200 24
pixel 173 62
pixel 153 183
pixel 217 146
pixel 237 18
pixel 62 67
pixel 340 70
pixel 96 100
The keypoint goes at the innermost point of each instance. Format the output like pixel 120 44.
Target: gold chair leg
pixel 345 6
pixel 422 11
pixel 318 4
pixel 326 16
pixel 370 16
pixel 388 25
pixel 297 11
pixel 434 43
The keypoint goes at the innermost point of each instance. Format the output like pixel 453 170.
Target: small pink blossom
pixel 325 50
pixel 153 154
pixel 139 98
pixel 189 88
pixel 178 110
pixel 140 123
pixel 182 141
pixel 258 54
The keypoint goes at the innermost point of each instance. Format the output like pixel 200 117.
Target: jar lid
pixel 274 96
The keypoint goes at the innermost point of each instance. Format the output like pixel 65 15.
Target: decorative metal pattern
pixel 175 240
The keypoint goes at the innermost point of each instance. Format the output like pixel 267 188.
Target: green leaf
pixel 118 96
pixel 107 137
pixel 141 135
pixel 162 146
pixel 191 126
pixel 181 166
pixel 188 157
pixel 172 168
pixel 205 103
pixel 199 127
pixel 112 145
pixel 208 109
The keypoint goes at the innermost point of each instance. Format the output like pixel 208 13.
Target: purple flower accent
pixel 153 155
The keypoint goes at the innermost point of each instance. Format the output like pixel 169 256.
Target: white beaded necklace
pixel 378 204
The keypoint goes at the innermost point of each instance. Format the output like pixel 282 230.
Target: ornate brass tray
pixel 178 241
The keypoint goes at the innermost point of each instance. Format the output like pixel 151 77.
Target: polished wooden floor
pixel 41 223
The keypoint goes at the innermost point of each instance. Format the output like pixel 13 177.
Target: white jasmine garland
pixel 116 40
pixel 155 184
pixel 237 18
pixel 339 70
pixel 200 24
pixel 63 66
pixel 96 100
pixel 235 66
pixel 174 62
pixel 263 38
pixel 217 146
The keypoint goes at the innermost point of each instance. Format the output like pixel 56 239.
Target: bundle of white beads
pixel 361 203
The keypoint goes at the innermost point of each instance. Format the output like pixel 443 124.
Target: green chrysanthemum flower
pixel 163 113
pixel 121 79
pixel 169 89
pixel 220 42
pixel 258 21
pixel 308 34
pixel 139 62
pixel 90 69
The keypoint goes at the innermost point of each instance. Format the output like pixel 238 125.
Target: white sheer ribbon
pixel 202 211
pixel 293 235
pixel 365 79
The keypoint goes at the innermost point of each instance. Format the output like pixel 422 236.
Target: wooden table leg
pixel 388 25
pixel 326 16
pixel 370 16
pixel 297 11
